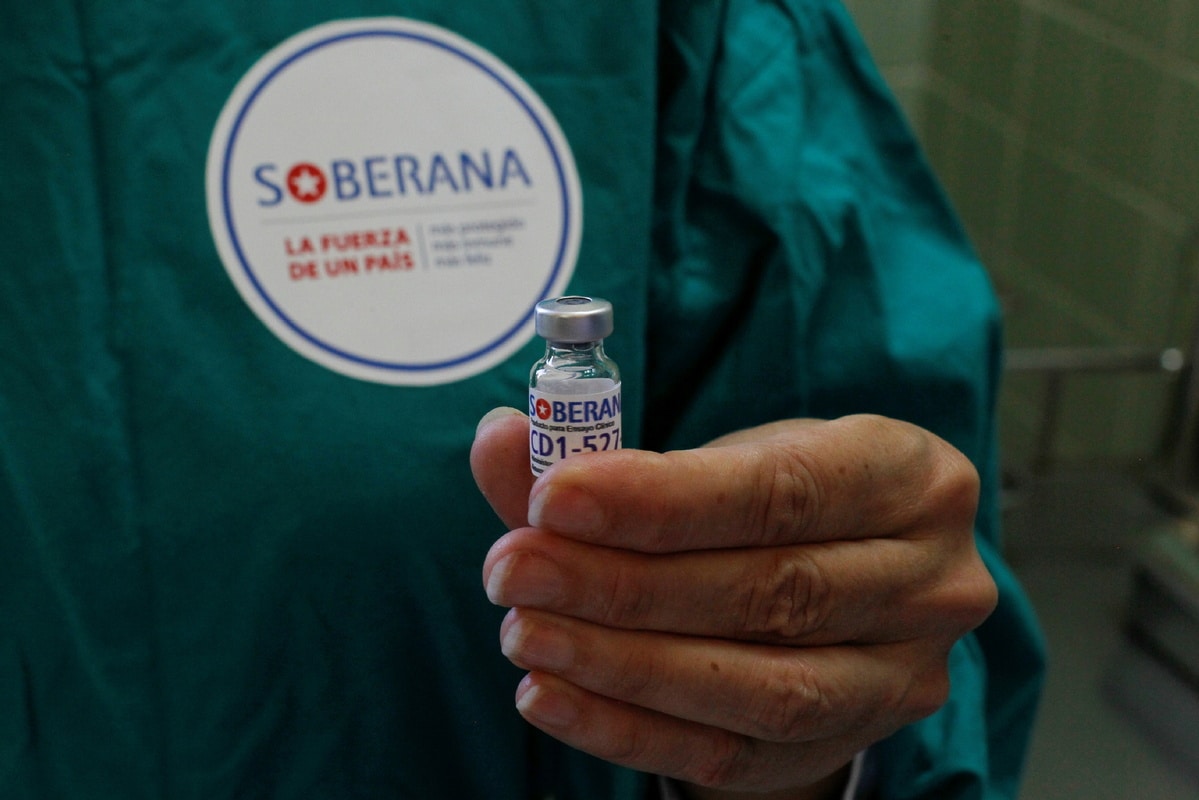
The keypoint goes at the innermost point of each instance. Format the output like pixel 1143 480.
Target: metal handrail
pixel 1095 359
pixel 1057 362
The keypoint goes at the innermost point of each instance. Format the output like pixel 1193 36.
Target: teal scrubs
pixel 229 572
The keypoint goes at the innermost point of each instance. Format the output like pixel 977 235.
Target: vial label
pixel 571 417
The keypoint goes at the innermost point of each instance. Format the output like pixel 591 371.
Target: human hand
pixel 741 617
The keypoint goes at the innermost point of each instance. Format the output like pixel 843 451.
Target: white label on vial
pixel 578 416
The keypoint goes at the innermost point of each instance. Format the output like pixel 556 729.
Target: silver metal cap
pixel 574 319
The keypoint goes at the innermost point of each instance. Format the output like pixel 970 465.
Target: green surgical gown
pixel 229 572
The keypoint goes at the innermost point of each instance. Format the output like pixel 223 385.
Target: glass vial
pixel 574 390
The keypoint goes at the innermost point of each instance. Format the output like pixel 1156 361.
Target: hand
pixel 742 617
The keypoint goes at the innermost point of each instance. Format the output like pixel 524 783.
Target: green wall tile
pixel 939 132
pixel 1084 242
pixel 950 37
pixel 1143 414
pixel 1021 403
pixel 1177 174
pixel 1107 238
pixel 1042 318
pixel 1104 142
pixel 896 30
pixel 1046 208
pixel 1120 136
pixel 1183 325
pixel 1190 32
pixel 1063 86
pixel 978 183
pixel 1092 408
pixel 1168 295
pixel 1145 19
pixel 911 100
pixel 992 65
pixel 974 45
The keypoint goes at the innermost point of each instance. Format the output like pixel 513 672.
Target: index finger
pixel 785 483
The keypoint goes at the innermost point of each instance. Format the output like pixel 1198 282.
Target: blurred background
pixel 1066 133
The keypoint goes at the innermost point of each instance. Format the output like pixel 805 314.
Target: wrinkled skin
pixel 743 617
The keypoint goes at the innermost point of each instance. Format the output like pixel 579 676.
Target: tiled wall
pixel 1067 134
pixel 898 33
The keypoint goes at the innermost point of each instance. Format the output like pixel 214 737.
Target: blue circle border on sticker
pixel 231 227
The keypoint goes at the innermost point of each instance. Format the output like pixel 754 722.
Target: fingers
pixel 499 460
pixel 659 744
pixel 678 716
pixel 786 483
pixel 883 590
pixel 771 694
pixel 917 574
pixel 744 616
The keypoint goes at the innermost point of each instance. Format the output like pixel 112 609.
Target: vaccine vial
pixel 574 390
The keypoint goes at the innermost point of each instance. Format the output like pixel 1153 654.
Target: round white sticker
pixel 392 201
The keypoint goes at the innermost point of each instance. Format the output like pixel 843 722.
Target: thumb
pixel 499 460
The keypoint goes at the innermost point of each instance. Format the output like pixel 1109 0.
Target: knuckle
pixel 879 428
pixel 791 705
pixel 789 495
pixel 954 484
pixel 926 688
pixel 957 487
pixel 974 596
pixel 951 483
pixel 926 695
pixel 988 599
pixel 792 601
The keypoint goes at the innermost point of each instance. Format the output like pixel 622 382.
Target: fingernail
pixel 537 647
pixel 525 579
pixel 495 414
pixel 546 708
pixel 569 510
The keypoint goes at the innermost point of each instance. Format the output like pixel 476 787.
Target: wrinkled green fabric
pixel 226 572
